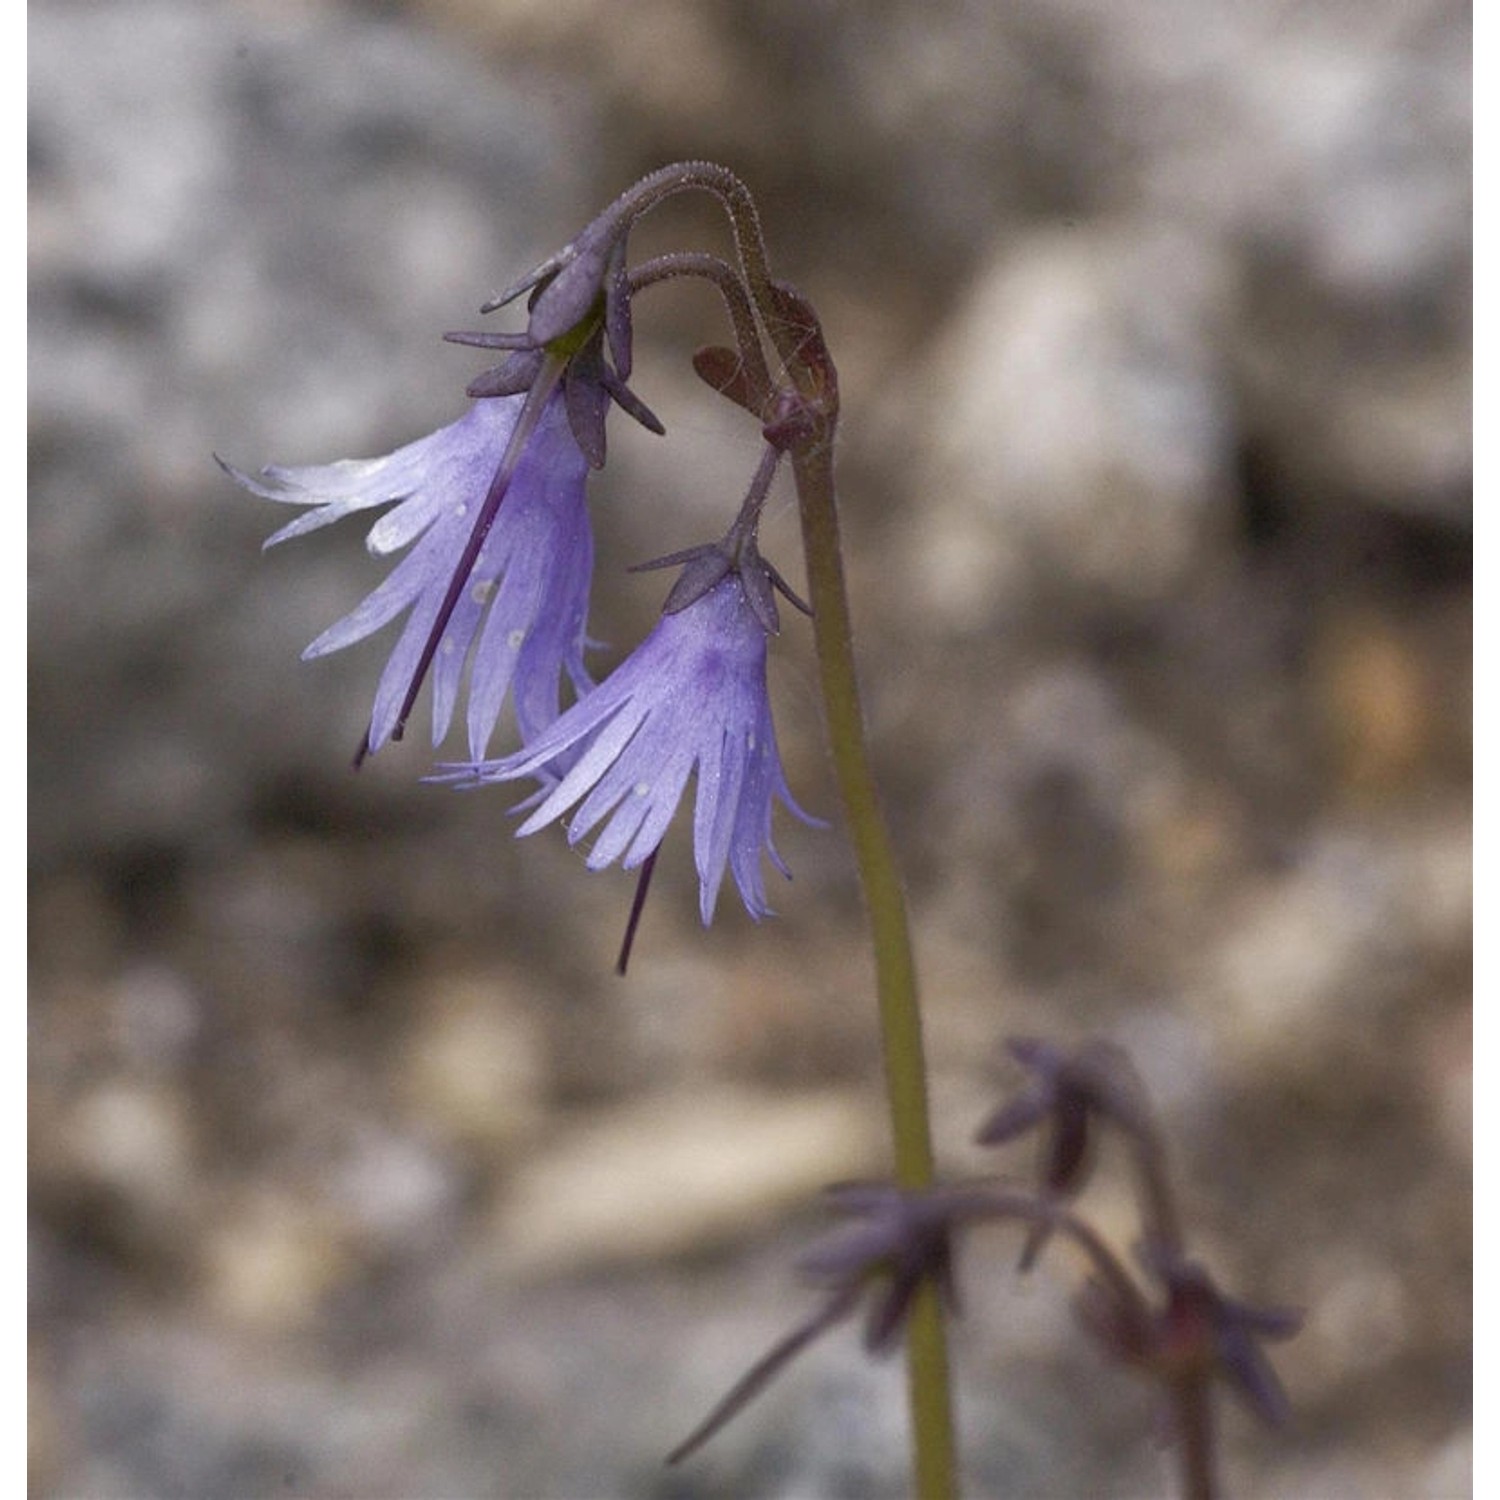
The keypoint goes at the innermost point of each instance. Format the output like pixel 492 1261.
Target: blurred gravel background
pixel 355 1172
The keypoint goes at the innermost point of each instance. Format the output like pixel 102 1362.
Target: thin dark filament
pixel 536 399
pixel 637 906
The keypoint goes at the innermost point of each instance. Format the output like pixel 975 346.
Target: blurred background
pixel 355 1171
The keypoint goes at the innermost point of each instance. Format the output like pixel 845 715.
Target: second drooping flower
pixel 690 699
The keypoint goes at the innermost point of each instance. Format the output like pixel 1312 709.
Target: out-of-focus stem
pixel 1192 1410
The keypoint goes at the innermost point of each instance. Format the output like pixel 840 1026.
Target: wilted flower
pixel 1201 1325
pixel 522 604
pixel 1070 1093
pixel 690 699
pixel 1196 1333
pixel 900 1241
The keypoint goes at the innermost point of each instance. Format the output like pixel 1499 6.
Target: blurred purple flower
pixel 522 608
pixel 1196 1333
pixel 691 698
pixel 1201 1326
pixel 898 1240
pixel 1070 1095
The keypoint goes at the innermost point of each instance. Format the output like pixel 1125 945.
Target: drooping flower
pixel 1071 1095
pixel 518 620
pixel 1196 1332
pixel 691 699
pixel 898 1241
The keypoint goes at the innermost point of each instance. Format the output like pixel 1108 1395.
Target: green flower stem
pixel 895 973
